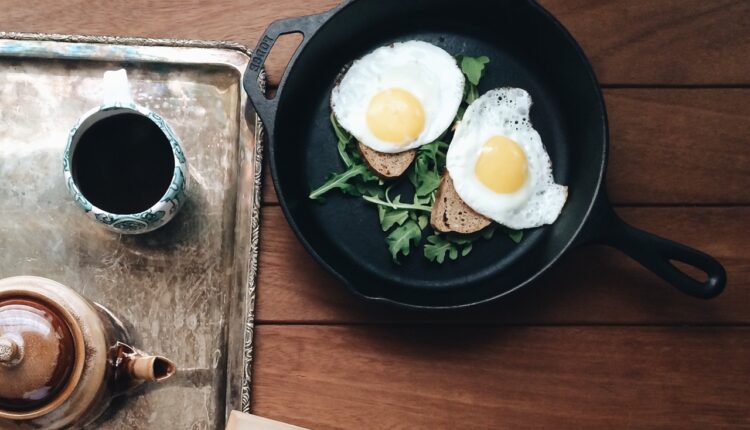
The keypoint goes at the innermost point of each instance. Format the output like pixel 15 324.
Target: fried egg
pixel 399 96
pixel 499 164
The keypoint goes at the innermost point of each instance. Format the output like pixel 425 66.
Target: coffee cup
pixel 123 164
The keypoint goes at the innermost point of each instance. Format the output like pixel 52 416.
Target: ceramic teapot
pixel 63 358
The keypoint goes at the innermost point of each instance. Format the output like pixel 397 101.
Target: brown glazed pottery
pixel 63 358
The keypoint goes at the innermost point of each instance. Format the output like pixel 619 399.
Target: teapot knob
pixel 10 353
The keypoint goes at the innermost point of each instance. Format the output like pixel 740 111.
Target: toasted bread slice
pixel 451 214
pixel 387 166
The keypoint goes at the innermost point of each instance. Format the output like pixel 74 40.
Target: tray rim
pixel 252 273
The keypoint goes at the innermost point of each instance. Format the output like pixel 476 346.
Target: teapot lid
pixel 41 350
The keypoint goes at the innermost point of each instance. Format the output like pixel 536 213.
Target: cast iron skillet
pixel 528 49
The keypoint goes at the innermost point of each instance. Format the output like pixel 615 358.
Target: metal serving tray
pixel 187 290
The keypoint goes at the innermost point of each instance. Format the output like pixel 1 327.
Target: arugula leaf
pixel 429 181
pixel 426 173
pixel 460 114
pixel 343 145
pixel 392 217
pixel 473 68
pixel 488 232
pixel 341 181
pixel 423 221
pixel 341 134
pixel 451 244
pixel 471 94
pixel 368 188
pixel 441 246
pixel 465 239
pixel 461 239
pixel 399 240
pixel 397 204
pixel 344 156
pixel 515 235
pixel 424 200
pixel 429 151
pixel 437 248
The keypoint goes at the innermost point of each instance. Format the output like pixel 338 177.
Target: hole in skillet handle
pixel 307 26
pixel 655 253
pixel 286 45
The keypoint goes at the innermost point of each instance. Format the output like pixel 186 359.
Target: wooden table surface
pixel 599 342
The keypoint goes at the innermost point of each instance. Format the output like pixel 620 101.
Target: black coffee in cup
pixel 123 164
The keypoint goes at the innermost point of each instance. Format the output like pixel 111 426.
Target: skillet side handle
pixel 656 253
pixel 305 25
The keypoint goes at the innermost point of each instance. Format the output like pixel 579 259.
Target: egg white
pixel 505 112
pixel 426 71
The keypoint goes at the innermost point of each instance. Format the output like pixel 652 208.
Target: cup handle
pixel 117 88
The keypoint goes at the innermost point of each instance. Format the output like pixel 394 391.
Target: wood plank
pixel 661 42
pixel 503 377
pixel 629 41
pixel 672 146
pixel 594 285
pixel 679 146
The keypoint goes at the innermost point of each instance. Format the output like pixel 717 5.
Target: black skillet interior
pixel 528 49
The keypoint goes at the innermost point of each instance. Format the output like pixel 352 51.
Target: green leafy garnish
pixel 472 93
pixel 358 179
pixel 438 247
pixel 341 134
pixel 390 217
pixel 451 245
pixel 343 181
pixel 393 217
pixel 473 68
pixel 427 170
pixel 372 187
pixel 423 221
pixel 515 235
pixel 400 240
pixel 344 138
pixel 396 204
pixel 402 221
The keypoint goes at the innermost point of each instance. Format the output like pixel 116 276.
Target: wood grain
pixel 594 285
pixel 629 41
pixel 661 42
pixel 672 146
pixel 503 377
pixel 679 146
pixel 575 350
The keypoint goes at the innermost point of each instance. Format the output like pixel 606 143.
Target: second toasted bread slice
pixel 451 214
pixel 387 166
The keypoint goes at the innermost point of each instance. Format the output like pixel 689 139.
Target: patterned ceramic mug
pixel 123 164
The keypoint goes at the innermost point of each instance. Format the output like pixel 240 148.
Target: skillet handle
pixel 656 253
pixel 305 25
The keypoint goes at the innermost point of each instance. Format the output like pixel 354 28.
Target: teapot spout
pixel 132 367
pixel 151 368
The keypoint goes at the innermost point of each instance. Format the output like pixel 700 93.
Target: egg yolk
pixel 502 165
pixel 395 116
